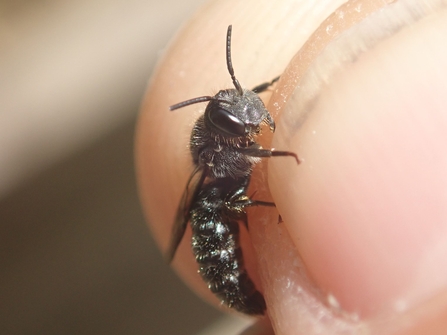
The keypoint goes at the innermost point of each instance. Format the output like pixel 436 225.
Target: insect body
pixel 224 149
pixel 215 217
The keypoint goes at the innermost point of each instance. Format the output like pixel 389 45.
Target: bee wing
pixel 182 217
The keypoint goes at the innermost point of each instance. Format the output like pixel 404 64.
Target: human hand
pixel 363 242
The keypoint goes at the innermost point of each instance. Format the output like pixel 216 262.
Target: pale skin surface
pixel 365 213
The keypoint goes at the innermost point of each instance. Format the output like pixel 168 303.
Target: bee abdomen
pixel 221 265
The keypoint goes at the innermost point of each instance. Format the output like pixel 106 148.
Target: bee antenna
pixel 230 65
pixel 190 102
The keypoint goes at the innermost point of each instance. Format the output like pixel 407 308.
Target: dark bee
pixel 224 150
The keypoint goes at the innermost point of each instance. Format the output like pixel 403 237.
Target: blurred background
pixel 76 256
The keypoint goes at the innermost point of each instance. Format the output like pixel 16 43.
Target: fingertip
pixel 366 207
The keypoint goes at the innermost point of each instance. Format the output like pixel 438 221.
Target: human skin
pixel 362 246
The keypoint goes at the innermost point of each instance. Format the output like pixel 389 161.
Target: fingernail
pixel 367 208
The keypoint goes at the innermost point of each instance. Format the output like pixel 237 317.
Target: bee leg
pixel 256 151
pixel 250 203
pixel 261 203
pixel 264 86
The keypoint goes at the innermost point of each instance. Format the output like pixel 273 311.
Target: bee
pixel 224 150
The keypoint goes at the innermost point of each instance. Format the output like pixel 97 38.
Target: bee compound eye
pixel 226 122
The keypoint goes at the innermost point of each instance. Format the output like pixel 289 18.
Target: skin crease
pixel 262 47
